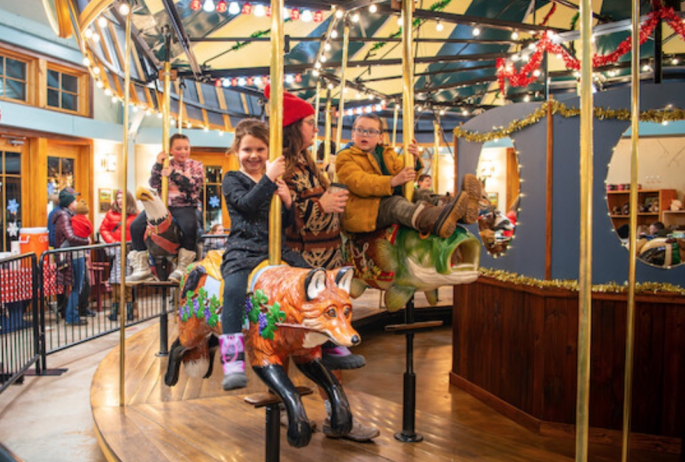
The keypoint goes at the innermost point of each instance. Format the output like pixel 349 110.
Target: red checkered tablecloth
pixel 17 283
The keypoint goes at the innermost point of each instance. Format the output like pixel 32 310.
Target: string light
pixel 476 31
pixel 209 6
pixel 514 35
pixel 259 11
pixel 355 17
pixel 124 9
pixel 102 21
pixel 234 8
pixel 439 27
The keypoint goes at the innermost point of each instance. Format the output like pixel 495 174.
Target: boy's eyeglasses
pixel 364 132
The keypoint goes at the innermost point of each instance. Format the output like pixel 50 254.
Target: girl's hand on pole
pixel 161 157
pixel 284 193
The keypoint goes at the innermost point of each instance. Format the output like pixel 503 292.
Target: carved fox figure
pixel 291 313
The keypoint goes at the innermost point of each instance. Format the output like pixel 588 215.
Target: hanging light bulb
pixel 355 17
pixel 399 21
pixel 233 8
pixel 99 84
pixel 334 34
pixel 96 37
pixel 476 32
pixel 88 33
pixel 327 47
pixel 96 70
pixel 102 21
pixel 86 62
pixel 306 16
pixel 289 78
pixel 258 81
pixel 242 81
pixel 259 11
pixel 439 27
pixel 317 65
pixel 315 73
pixel 323 58
pixel 514 35
pixel 330 86
pixel 124 9
pixel 373 8
pixel 339 13
pixel 209 6
pixel 526 98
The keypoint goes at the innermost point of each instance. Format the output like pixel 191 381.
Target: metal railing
pixel 19 333
pixel 67 297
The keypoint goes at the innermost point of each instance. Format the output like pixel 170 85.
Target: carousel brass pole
pixel 181 86
pixel 435 162
pixel 632 259
pixel 394 124
pixel 276 123
pixel 585 268
pixel 122 248
pixel 327 131
pixel 343 71
pixel 407 90
pixel 166 114
pixel 316 111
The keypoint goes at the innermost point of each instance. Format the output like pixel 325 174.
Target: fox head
pixel 326 310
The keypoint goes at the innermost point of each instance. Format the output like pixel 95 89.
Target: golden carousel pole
pixel 435 161
pixel 585 265
pixel 181 86
pixel 343 71
pixel 327 130
pixel 632 260
pixel 124 9
pixel 166 114
pixel 408 90
pixel 316 112
pixel 394 125
pixel 276 123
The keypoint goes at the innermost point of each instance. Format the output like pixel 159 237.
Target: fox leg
pixel 275 377
pixel 174 364
pixel 341 416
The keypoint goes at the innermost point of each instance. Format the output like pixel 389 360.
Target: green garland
pixel 572 285
pixel 257 34
pixel 557 107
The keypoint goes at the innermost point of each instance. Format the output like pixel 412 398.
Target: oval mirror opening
pixel 660 213
pixel 498 169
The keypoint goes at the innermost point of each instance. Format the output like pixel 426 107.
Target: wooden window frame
pixel 29 81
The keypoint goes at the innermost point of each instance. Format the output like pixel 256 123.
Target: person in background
pixel 83 228
pixel 425 181
pixel 70 275
pixel 315 233
pixel 110 230
pixel 186 180
pixel 60 298
pixel 215 243
pixel 657 229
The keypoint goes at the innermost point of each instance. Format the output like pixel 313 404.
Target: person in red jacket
pixel 110 231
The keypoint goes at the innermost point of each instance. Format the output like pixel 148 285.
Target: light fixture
pixel 124 9
pixel 399 21
pixel 289 78
pixel 317 65
pixel 208 6
pixel 259 11
pixel 339 13
pixel 476 32
pixel 334 34
pixel 233 8
pixel 355 17
pixel 306 16
pixel 86 62
pixel 109 163
pixel 88 33
pixel 102 21
pixel 439 27
pixel 327 46
pixel 514 35
pixel 526 98
pixel 373 8
pixel 323 58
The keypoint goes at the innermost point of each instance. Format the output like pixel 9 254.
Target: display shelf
pixel 644 197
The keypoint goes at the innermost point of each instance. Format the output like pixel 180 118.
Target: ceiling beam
pixel 180 32
pixel 359 40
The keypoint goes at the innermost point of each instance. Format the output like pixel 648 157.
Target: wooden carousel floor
pixel 197 421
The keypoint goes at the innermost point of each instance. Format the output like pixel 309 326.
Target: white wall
pixel 661 163
pixel 497 183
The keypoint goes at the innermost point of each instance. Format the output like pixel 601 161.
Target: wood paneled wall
pixel 515 347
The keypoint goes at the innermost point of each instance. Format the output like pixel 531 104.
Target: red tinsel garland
pixel 525 76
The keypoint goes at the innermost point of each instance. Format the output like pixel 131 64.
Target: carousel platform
pixel 197 421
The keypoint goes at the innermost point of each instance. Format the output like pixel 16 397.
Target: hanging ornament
pixel 221 7
pixel 318 16
pixel 12 206
pixel 294 14
pixel 195 5
pixel 214 202
pixel 247 9
pixel 12 229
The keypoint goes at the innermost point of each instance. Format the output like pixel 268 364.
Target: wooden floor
pixel 197 421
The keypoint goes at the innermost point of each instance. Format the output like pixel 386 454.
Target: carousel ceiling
pixel 469 55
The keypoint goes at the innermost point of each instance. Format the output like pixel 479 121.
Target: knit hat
pixel 82 207
pixel 67 196
pixel 294 108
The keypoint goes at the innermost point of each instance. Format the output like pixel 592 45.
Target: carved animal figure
pixel 401 262
pixel 291 312
pixel 662 251
pixel 163 235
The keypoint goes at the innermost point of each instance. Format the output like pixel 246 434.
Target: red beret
pixel 294 108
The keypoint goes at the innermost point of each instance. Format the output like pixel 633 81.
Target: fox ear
pixel 315 283
pixel 344 278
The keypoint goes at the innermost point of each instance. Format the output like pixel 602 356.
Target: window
pixel 62 90
pixel 211 197
pixel 13 78
pixel 10 197
pixel 60 175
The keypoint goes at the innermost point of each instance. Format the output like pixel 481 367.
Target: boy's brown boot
pixel 474 189
pixel 441 221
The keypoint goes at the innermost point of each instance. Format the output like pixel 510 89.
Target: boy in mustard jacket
pixel 375 174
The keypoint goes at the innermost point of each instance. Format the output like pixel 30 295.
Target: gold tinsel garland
pixel 557 107
pixel 572 285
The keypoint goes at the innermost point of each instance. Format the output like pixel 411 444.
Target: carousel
pixel 509 92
